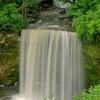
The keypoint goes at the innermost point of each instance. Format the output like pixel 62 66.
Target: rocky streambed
pixel 7 92
pixel 52 18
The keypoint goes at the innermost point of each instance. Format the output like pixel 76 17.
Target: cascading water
pixel 51 65
pixel 61 4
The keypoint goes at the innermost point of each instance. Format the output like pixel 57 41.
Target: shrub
pixel 92 63
pixel 87 26
pixel 31 3
pixel 92 94
pixel 10 18
pixel 86 19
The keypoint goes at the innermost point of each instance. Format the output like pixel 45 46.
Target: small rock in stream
pixel 2 86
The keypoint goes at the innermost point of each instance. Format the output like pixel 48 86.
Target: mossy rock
pixel 9 59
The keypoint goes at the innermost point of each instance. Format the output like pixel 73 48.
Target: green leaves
pixel 92 94
pixel 31 3
pixel 17 22
pixel 88 25
pixel 86 19
pixel 14 14
pixel 10 18
pixel 92 63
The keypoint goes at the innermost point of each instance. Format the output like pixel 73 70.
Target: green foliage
pixel 92 63
pixel 80 7
pixel 92 94
pixel 14 14
pixel 31 3
pixel 88 25
pixel 29 6
pixel 10 19
pixel 86 19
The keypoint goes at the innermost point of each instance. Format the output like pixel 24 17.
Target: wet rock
pixel 32 20
pixel 16 84
pixel 53 26
pixel 63 12
pixel 2 86
pixel 39 21
pixel 46 3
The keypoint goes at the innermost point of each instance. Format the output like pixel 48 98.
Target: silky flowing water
pixel 51 65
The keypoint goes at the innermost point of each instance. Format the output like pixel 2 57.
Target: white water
pixel 61 4
pixel 51 64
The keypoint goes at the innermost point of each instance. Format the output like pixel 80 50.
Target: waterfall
pixel 51 65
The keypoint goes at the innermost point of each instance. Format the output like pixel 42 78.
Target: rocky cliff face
pixel 9 49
